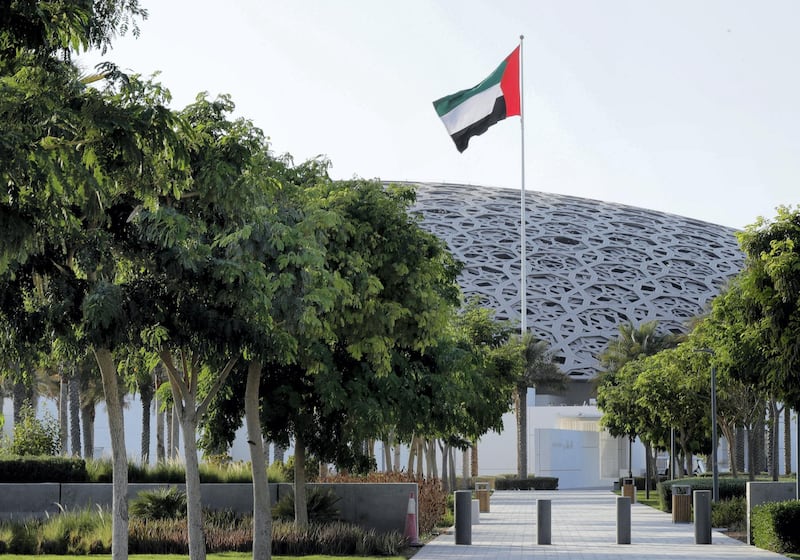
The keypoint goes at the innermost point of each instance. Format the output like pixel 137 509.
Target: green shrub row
pixel 89 532
pixel 638 481
pixel 19 469
pixel 730 513
pixel 534 483
pixel 774 526
pixel 728 488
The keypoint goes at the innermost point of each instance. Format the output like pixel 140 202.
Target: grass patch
pixel 641 498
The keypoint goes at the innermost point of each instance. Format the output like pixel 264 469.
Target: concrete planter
pixel 382 507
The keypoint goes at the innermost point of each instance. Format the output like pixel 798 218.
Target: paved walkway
pixel 583 527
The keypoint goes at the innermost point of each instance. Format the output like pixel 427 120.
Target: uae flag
pixel 471 112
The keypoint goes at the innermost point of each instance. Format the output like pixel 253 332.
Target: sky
pixel 680 106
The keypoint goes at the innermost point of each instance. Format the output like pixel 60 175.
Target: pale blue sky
pixel 683 106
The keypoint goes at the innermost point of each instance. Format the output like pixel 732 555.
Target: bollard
pixel 543 535
pixel 476 512
pixel 702 517
pixel 623 520
pixel 463 514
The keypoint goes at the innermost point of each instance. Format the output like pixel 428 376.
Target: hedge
pixel 42 469
pixel 728 488
pixel 774 526
pixel 535 483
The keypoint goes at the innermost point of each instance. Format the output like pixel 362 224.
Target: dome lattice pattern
pixel 592 265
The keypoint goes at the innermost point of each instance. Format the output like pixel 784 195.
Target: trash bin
pixel 681 503
pixel 482 491
pixel 629 489
pixel 616 486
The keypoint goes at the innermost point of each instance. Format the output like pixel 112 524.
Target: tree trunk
pixel 465 458
pixel 300 500
pixel 175 434
pixel 452 463
pixel 184 384
pixel 473 465
pixel 648 468
pixel 147 402
pixel 119 457
pixel 74 390
pixel 262 520
pixel 160 451
pixel 445 455
pixel 741 448
pixel 521 413
pixel 412 454
pixel 759 445
pixel 433 469
pixel 396 462
pixel 63 408
pixel 19 392
pixel 730 436
pixel 772 439
pixel 388 444
pixel 787 440
pixel 194 506
pixel 280 453
pixel 87 413
pixel 420 457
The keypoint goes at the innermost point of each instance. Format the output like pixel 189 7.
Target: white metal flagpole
pixel 523 229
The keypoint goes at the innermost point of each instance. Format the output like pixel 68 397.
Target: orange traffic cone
pixel 412 532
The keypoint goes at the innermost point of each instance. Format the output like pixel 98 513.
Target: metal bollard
pixel 702 517
pixel 463 515
pixel 623 520
pixel 543 535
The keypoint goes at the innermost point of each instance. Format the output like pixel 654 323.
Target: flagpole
pixel 523 222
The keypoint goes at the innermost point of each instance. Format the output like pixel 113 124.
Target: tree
pixel 68 152
pixel 771 289
pixel 673 390
pixel 741 363
pixel 632 343
pixel 617 398
pixel 541 372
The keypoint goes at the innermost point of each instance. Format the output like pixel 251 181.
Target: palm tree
pixel 541 372
pixel 91 394
pixel 74 391
pixel 634 342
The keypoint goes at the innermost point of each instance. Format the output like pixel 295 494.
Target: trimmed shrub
pixel 162 503
pixel 775 526
pixel 42 469
pixel 320 502
pixel 730 513
pixel 728 488
pixel 535 483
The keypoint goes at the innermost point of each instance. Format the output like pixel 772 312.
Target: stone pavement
pixel 583 527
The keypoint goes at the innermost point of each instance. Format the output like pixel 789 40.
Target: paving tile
pixel 583 527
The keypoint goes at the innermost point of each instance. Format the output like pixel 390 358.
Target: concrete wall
pixel 23 501
pixel 765 492
pixel 382 507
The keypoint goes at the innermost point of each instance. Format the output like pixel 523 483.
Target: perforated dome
pixel 592 265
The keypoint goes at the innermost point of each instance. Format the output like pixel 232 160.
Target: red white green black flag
pixel 471 112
